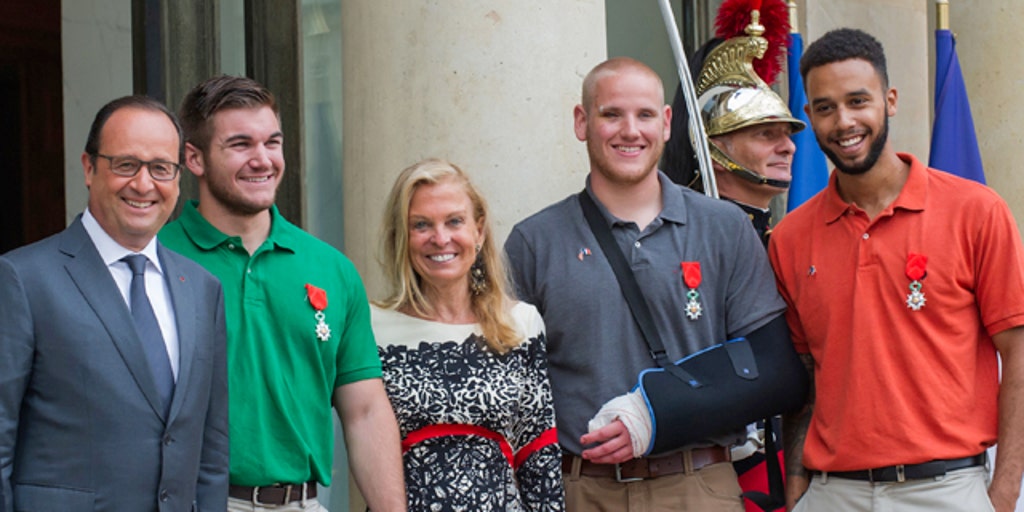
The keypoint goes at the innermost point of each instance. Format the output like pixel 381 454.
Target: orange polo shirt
pixel 896 385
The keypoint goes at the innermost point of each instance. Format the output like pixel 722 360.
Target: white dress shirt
pixel 156 285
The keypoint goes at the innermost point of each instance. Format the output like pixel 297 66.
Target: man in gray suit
pixel 112 348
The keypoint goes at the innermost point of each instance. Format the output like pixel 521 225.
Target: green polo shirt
pixel 281 374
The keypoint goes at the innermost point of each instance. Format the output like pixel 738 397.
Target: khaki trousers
pixel 963 490
pixel 710 489
pixel 307 505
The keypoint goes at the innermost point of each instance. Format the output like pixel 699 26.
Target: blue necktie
pixel 149 331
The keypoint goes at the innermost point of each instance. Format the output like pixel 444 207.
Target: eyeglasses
pixel 129 166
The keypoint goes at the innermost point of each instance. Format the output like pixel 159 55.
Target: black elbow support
pixel 733 384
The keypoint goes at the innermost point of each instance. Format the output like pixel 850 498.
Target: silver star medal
pixel 915 299
pixel 693 308
pixel 323 331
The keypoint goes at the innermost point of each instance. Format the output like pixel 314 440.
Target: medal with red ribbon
pixel 691 277
pixel 916 271
pixel 318 299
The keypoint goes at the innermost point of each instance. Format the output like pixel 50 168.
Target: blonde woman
pixel 464 363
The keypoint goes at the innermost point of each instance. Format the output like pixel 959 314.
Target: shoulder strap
pixel 631 290
pixel 775 499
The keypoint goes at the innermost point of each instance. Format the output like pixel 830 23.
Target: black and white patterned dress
pixel 443 377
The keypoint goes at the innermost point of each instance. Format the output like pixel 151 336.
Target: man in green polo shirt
pixel 299 336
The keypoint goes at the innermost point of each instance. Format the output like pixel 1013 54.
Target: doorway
pixel 32 131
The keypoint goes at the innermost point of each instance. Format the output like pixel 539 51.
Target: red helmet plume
pixel 733 18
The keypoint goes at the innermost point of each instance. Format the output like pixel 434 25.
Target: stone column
pixel 987 42
pixel 902 27
pixel 985 33
pixel 986 36
pixel 488 85
pixel 96 49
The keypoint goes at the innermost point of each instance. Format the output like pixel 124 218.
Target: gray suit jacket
pixel 80 424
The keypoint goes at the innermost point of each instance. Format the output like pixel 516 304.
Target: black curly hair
pixel 844 44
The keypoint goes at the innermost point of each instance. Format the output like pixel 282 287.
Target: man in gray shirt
pixel 596 349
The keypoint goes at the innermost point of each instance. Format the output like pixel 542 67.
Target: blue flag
pixel 810 169
pixel 954 144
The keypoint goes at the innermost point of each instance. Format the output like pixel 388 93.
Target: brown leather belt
pixel 649 467
pixel 279 494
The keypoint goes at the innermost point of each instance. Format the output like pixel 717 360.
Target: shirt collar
pixel 915 190
pixel 208 237
pixel 673 205
pixel 759 216
pixel 912 197
pixel 111 251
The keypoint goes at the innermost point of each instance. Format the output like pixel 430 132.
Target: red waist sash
pixel 515 459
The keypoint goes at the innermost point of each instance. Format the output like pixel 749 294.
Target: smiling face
pixel 625 124
pixel 849 108
pixel 243 165
pixel 765 149
pixel 443 235
pixel 132 210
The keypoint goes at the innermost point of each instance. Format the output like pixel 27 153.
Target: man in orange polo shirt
pixel 903 283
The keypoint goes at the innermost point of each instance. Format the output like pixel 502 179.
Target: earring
pixel 478 275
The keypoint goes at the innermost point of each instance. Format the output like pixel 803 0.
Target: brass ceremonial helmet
pixel 731 95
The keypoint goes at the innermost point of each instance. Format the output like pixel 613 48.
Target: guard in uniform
pixel 748 125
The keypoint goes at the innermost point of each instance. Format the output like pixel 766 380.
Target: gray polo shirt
pixel 595 349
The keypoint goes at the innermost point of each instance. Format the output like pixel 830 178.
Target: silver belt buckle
pixel 287 495
pixel 620 479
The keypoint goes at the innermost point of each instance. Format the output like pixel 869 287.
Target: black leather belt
pixel 905 472
pixel 280 494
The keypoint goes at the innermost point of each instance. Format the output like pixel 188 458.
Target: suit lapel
pixel 184 300
pixel 92 278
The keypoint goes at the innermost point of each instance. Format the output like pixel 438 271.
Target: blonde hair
pixel 492 307
pixel 613 66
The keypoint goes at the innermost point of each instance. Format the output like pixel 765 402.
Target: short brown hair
pixel 221 92
pixel 609 67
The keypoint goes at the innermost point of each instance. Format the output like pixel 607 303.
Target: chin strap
pixel 719 156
